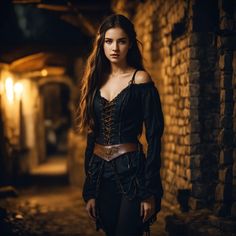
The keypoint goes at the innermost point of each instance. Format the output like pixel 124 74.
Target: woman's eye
pixel 108 41
pixel 122 42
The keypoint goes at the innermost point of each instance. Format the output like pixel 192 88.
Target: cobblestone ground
pixel 53 211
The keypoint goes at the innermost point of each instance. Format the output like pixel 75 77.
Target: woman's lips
pixel 114 55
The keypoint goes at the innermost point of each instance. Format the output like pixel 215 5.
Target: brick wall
pixel 226 43
pixel 166 55
pixel 188 47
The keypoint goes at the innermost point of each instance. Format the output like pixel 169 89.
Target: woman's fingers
pixel 90 207
pixel 146 214
pixel 147 208
pixel 94 212
pixel 91 213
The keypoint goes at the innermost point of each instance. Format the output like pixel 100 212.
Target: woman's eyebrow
pixel 117 39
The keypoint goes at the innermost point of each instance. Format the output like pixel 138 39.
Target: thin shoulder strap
pixel 133 77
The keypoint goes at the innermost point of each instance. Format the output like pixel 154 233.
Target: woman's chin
pixel 115 60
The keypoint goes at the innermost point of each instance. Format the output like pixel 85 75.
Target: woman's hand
pixel 147 208
pixel 90 207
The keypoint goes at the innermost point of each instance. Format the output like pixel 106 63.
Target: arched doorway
pixel 55 99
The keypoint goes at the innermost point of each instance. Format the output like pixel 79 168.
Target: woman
pixel 122 188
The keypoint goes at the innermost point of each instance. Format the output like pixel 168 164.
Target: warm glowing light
pixel 1 87
pixel 18 89
pixel 44 72
pixel 9 89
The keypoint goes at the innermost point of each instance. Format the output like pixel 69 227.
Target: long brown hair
pixel 98 65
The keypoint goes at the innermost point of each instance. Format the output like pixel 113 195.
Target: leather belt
pixel 110 152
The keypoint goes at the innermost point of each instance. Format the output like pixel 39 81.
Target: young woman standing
pixel 122 188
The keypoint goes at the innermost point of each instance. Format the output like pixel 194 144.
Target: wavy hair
pixel 98 66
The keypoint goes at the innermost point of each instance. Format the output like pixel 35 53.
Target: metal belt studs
pixel 110 152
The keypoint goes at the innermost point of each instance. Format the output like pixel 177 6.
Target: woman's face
pixel 116 45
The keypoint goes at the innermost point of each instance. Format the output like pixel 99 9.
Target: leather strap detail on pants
pixel 110 152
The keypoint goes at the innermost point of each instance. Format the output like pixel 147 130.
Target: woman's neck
pixel 119 69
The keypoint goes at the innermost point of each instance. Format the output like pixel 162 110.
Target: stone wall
pixel 226 44
pixel 166 54
pixel 188 47
pixel 204 91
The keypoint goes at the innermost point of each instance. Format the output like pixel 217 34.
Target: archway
pixel 55 96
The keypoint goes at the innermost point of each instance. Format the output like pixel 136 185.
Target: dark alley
pixel 189 50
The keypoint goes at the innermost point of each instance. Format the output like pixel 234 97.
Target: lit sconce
pixel 44 72
pixel 9 89
pixel 18 89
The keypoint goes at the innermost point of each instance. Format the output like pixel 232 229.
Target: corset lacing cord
pixel 108 120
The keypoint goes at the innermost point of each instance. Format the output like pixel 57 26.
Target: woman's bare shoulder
pixel 142 77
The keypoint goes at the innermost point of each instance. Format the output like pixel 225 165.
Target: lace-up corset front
pixel 110 118
pixel 108 127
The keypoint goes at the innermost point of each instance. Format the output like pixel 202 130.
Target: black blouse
pixel 120 121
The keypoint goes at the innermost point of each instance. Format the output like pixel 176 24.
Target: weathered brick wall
pixel 204 76
pixel 226 43
pixel 166 55
pixel 189 56
pixel 204 100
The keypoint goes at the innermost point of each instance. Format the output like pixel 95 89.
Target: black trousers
pixel 118 215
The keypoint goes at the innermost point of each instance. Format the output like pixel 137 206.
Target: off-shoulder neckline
pixel 124 89
pixel 145 83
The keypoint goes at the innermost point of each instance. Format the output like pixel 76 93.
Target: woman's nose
pixel 115 46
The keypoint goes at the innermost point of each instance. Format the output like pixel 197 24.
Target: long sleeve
pixel 89 151
pixel 154 127
pixel 89 186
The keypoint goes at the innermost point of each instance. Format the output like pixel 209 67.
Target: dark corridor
pixel 189 49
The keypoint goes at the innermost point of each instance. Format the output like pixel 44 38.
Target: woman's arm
pixel 89 151
pixel 154 127
pixel 89 186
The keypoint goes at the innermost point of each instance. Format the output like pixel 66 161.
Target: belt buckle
pixel 110 151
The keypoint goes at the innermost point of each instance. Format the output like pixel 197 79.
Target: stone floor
pixel 48 206
pixel 53 211
pixel 55 166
